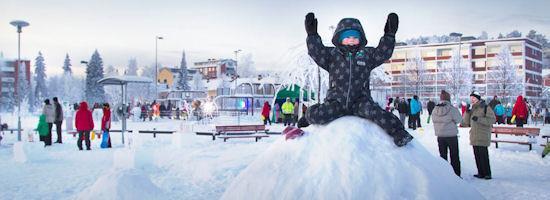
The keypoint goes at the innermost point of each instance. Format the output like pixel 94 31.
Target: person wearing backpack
pixel 481 120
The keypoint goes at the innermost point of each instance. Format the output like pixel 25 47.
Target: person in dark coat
pixel 84 124
pixel 349 65
pixel 431 106
pixel 58 119
pixel 493 103
pixel 403 110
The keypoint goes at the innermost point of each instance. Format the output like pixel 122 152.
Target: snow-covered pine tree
pixel 183 83
pixel 132 67
pixel 23 88
pixel 503 78
pixel 111 71
pixel 41 90
pixel 458 76
pixel 67 65
pixel 484 36
pixel 94 72
pixel 246 67
pixel 514 34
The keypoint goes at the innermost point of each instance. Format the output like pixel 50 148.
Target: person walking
pixel 296 113
pixel 445 119
pixel 49 112
pixel 546 116
pixel 481 119
pixel 288 110
pixel 58 119
pixel 520 111
pixel 266 109
pixel 84 124
pixel 431 106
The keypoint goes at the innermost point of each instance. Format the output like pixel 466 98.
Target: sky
pixel 125 29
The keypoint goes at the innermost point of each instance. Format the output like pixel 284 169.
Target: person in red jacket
pixel 84 124
pixel 106 123
pixel 265 113
pixel 520 111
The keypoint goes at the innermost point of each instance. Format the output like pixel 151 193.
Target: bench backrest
pixel 240 128
pixel 515 130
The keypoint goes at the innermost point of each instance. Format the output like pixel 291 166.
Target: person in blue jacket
pixel 416 107
pixel 499 112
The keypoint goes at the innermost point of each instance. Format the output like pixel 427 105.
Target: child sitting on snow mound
pixel 349 64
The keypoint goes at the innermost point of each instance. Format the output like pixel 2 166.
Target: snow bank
pixel 350 158
pixel 122 184
pixel 19 153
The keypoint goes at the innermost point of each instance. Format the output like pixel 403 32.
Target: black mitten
pixel 392 24
pixel 311 24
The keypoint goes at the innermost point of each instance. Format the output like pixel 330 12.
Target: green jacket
pixel 42 128
pixel 288 108
pixel 480 133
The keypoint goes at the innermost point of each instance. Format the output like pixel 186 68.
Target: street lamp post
pixel 157 38
pixel 19 24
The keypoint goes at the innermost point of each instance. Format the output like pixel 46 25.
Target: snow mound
pixel 122 184
pixel 350 158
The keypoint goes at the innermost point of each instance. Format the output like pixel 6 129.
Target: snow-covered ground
pixel 187 166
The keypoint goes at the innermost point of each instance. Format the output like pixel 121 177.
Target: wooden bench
pixel 515 131
pixel 234 130
pixel 257 136
pixel 155 132
pixel 547 137
pixel 11 130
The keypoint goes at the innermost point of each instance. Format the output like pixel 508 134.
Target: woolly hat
pixel 349 33
pixel 445 96
pixel 476 95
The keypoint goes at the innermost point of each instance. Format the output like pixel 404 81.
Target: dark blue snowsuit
pixel 349 73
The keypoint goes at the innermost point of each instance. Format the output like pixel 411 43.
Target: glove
pixel 474 118
pixel 311 24
pixel 391 24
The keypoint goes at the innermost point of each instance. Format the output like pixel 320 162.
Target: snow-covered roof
pixel 121 80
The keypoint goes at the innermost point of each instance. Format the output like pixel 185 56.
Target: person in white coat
pixel 49 112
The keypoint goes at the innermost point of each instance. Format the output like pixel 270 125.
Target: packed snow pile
pixel 122 184
pixel 350 158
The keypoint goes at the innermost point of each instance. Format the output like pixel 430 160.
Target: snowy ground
pixel 187 166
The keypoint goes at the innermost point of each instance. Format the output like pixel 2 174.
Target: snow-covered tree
pixel 541 38
pixel 111 71
pixel 182 81
pixel 379 78
pixel 73 88
pixel 245 67
pixel 198 83
pixel 132 67
pixel 514 34
pixel 23 85
pixel 500 36
pixel 55 85
pixel 503 78
pixel 415 70
pixel 67 65
pixel 149 92
pixel 458 76
pixel 41 90
pixel 94 72
pixel 484 36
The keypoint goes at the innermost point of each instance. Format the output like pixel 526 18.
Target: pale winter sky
pixel 123 29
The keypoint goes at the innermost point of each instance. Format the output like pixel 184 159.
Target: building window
pixel 493 49
pixel 444 52
pixel 479 51
pixel 479 64
pixel 425 53
pixel 479 77
pixel 399 55
pixel 515 48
